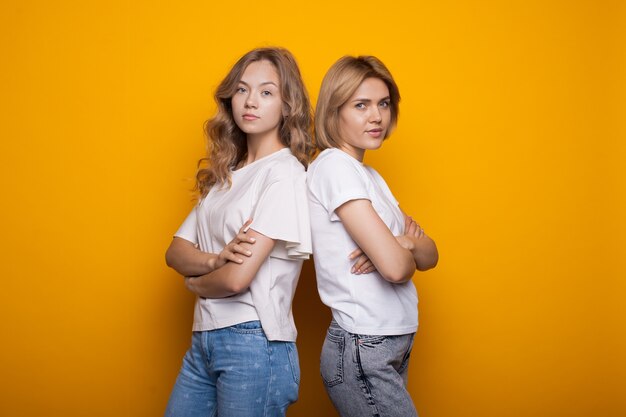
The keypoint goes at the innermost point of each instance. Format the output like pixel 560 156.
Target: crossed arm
pixel 395 257
pixel 220 275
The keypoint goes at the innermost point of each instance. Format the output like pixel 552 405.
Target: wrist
pixel 210 262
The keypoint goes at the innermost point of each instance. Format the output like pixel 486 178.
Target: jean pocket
pixel 365 341
pixel 250 327
pixel 294 362
pixel 331 363
pixel 407 355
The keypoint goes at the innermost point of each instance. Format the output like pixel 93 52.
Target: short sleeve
pixel 282 213
pixel 335 182
pixel 189 229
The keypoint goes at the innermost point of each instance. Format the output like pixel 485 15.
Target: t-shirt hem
pixel 201 327
pixel 377 331
pixel 284 334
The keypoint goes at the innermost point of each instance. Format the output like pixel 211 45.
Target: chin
pixel 375 146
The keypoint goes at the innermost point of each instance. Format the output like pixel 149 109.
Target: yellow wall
pixel 510 152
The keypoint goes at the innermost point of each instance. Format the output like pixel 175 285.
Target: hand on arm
pixel 185 257
pixel 232 250
pixel 233 277
pixel 393 262
pixel 422 247
pixel 363 265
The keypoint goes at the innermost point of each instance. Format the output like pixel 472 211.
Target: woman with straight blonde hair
pixel 366 249
pixel 241 249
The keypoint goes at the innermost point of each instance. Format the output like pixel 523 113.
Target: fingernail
pixel 252 240
pixel 248 252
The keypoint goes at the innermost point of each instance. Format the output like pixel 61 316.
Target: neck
pixel 260 146
pixel 356 153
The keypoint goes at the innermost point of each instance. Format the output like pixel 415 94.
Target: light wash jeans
pixel 367 375
pixel 236 372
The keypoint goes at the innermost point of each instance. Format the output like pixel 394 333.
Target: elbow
pixel 237 288
pixel 399 270
pixel 398 278
pixel 397 275
pixel 236 285
pixel 169 261
pixel 429 262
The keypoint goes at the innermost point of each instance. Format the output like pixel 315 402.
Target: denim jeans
pixel 236 372
pixel 367 375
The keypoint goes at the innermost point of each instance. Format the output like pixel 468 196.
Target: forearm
pixel 233 278
pixel 187 260
pixel 392 261
pixel 216 284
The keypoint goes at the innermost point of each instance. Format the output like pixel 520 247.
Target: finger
pixel 420 232
pixel 233 258
pixel 245 226
pixel 407 224
pixel 412 229
pixel 366 267
pixel 241 250
pixel 358 265
pixel 242 237
pixel 369 270
pixel 228 255
pixel 355 253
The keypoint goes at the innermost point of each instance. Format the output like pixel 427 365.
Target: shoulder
pixel 333 162
pixel 284 166
pixel 380 181
pixel 379 178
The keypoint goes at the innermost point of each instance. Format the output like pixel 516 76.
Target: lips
pixel 250 116
pixel 374 132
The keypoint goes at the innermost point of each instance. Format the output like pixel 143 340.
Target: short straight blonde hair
pixel 339 84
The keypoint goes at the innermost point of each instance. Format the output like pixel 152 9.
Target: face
pixel 257 103
pixel 364 118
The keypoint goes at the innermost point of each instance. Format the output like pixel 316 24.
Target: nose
pixel 375 116
pixel 250 101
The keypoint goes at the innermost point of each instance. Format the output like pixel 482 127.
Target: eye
pixel 359 106
pixel 241 90
pixel 384 104
pixel 266 93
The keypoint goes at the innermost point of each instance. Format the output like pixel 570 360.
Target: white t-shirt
pixel 366 303
pixel 271 191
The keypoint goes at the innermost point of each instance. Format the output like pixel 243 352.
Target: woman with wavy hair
pixel 366 249
pixel 241 249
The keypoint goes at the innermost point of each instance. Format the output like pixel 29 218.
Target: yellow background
pixel 510 151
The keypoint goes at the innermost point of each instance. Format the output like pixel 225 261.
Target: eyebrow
pixel 263 83
pixel 368 100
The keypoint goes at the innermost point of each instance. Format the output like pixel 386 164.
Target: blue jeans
pixel 236 372
pixel 367 375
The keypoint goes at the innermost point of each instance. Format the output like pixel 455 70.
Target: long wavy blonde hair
pixel 226 143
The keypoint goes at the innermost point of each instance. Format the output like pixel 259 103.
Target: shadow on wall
pixel 312 319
